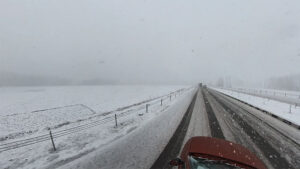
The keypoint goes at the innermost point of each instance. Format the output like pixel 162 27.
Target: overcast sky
pixel 145 40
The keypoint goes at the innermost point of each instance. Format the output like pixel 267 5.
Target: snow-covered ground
pixel 34 109
pixel 142 147
pixel 81 119
pixel 291 97
pixel 286 111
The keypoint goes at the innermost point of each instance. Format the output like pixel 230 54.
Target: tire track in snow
pixel 214 125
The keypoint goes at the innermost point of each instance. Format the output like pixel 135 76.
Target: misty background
pixel 226 43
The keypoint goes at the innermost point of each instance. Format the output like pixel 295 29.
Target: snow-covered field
pixel 81 119
pixel 286 111
pixel 292 97
pixel 34 109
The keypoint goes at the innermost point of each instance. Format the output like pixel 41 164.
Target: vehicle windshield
pixel 202 163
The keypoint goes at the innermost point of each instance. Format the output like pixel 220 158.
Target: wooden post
pixel 147 105
pixel 51 137
pixel 116 121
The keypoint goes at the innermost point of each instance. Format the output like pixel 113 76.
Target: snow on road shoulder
pixel 283 110
pixel 141 148
pixel 85 137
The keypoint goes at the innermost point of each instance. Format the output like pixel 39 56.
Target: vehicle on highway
pixel 214 153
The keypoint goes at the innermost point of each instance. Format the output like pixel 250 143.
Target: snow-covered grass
pixel 290 112
pixel 82 124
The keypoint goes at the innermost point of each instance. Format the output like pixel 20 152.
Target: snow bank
pixel 283 110
pixel 141 148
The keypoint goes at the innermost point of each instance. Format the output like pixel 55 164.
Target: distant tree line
pixel 291 82
pixel 221 82
pixel 13 79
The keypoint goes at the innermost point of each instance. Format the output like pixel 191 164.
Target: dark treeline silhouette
pixel 290 82
pixel 14 79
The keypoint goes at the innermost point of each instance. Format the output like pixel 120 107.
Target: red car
pixel 213 153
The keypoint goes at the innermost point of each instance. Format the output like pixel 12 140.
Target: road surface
pixel 216 115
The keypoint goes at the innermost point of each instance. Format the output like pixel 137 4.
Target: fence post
pixel 116 120
pixel 170 97
pixel 51 137
pixel 290 108
pixel 161 100
pixel 147 105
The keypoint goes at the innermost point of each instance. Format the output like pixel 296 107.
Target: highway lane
pixel 217 115
pixel 240 126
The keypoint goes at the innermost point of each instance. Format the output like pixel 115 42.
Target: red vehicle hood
pixel 223 149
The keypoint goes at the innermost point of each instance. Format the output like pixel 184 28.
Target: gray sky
pixel 150 40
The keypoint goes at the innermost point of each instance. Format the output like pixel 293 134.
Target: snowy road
pixel 276 143
pixel 216 115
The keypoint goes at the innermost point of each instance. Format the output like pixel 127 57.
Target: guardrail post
pixel 51 137
pixel 116 121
